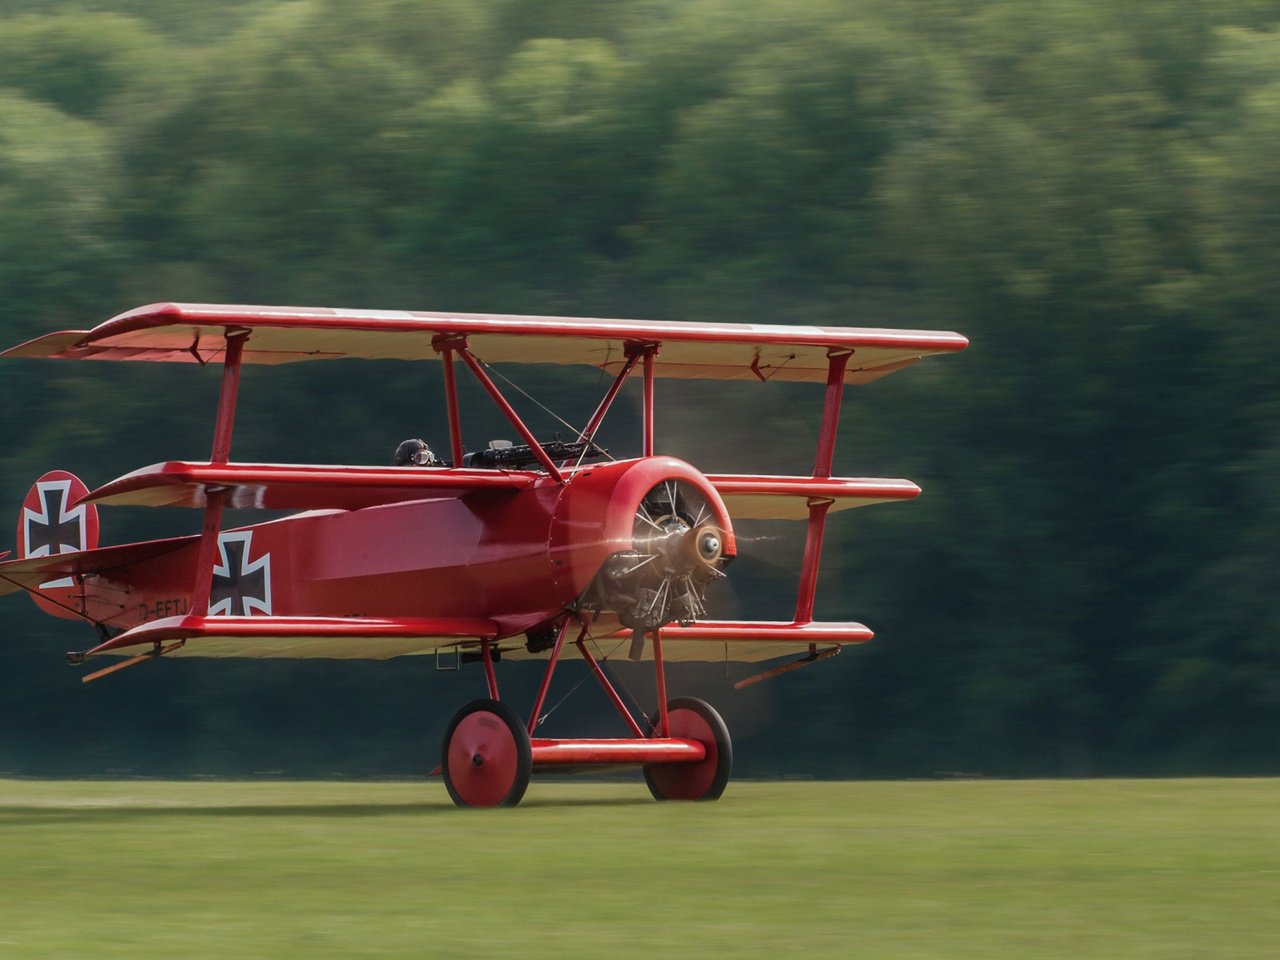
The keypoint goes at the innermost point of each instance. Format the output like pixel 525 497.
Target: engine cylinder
pixel 661 536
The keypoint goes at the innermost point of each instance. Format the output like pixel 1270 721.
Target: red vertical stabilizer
pixel 52 522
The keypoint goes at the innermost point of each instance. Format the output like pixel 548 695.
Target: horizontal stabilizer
pixel 18 575
pixel 341 638
pixel 787 498
pixel 276 486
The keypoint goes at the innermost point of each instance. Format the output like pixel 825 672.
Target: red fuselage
pixel 516 557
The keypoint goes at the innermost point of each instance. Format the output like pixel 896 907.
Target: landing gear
pixel 487 756
pixel 691 719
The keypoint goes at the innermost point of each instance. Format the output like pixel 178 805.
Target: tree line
pixel 1087 190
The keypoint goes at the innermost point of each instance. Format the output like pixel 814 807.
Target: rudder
pixel 53 521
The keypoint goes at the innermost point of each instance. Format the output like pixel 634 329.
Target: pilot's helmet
pixel 414 453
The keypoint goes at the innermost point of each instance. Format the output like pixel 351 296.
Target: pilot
pixel 416 453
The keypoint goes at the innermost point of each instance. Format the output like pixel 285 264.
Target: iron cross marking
pixel 240 585
pixel 54 531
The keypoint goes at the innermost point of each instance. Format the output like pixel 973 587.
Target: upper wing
pixel 196 333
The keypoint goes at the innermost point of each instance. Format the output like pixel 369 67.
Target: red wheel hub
pixel 486 763
pixel 705 780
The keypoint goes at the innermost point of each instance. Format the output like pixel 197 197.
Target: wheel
pixel 694 720
pixel 487 758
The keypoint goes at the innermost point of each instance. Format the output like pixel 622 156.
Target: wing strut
pixel 460 345
pixel 649 352
pixel 837 360
pixel 589 431
pixel 451 403
pixel 207 557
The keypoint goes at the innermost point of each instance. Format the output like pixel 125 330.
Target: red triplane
pixel 536 550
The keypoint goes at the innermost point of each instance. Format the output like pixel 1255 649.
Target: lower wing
pixel 370 638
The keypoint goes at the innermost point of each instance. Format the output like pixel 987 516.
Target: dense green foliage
pixel 1086 189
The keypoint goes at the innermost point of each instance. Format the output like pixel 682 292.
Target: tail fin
pixel 53 521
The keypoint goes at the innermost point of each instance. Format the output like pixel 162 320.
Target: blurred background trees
pixel 1087 190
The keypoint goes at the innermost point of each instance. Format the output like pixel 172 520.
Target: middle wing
pixel 279 486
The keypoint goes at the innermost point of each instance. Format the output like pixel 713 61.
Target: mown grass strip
pixel 979 869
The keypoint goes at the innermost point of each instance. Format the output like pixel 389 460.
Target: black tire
pixel 706 780
pixel 486 757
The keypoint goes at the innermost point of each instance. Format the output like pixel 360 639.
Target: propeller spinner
pixel 677 551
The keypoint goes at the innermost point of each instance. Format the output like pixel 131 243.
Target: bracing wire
pixel 602 660
pixel 539 404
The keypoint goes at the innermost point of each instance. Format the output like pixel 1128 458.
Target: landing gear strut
pixel 489 755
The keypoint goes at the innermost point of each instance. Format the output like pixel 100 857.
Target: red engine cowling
pixel 642 539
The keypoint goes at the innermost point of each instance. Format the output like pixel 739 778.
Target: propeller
pixel 677 551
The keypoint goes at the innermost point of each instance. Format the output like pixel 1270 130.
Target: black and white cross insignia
pixel 240 586
pixel 54 529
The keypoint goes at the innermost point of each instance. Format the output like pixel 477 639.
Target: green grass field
pixel 981 869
